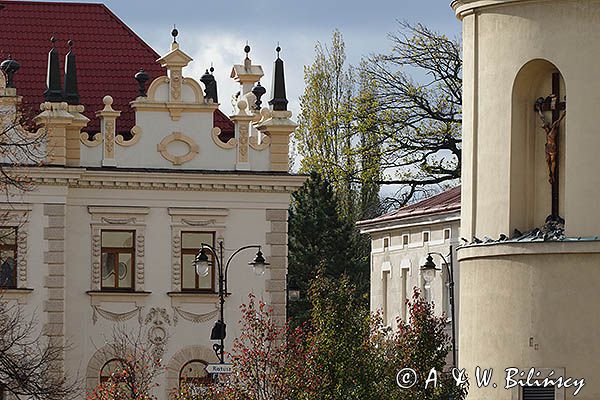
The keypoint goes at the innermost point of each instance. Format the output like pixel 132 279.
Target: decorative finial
pixel 210 86
pixel 142 77
pixel 278 49
pixel 212 69
pixel 247 49
pixel 279 101
pixel 9 67
pixel 53 91
pixel 174 33
pixel 258 91
pixel 71 94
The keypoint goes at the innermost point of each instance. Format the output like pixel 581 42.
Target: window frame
pixel 405 239
pixel 15 249
pixel 447 234
pixel 119 250
pixel 188 251
pixel 208 379
pixel 428 234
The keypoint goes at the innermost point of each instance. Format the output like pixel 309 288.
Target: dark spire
pixel 71 94
pixel 142 77
pixel 9 67
pixel 174 33
pixel 210 85
pixel 53 90
pixel 279 101
pixel 258 91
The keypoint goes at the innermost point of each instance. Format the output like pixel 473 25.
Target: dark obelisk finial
pixel 210 85
pixel 53 90
pixel 279 101
pixel 9 67
pixel 71 93
pixel 142 77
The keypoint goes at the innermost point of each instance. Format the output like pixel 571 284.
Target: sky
pixel 216 32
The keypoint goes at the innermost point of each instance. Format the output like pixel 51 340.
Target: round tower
pixel 529 275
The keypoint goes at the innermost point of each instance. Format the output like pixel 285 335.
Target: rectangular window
pixel 8 257
pixel 404 298
pixel 386 243
pixel 386 308
pixel 404 240
pixel 446 234
pixel 118 260
pixel 425 237
pixel 538 393
pixel 191 242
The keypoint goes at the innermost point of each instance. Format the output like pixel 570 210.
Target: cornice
pixel 173 181
pixel 463 8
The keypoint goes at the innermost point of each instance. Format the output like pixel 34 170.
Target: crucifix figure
pixel 552 103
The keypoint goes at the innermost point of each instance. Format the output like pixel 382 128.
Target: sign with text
pixel 219 368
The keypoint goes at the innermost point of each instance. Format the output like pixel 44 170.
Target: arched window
pixel 112 368
pixel 194 373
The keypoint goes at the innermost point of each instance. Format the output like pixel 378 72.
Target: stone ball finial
pixel 107 100
pixel 242 105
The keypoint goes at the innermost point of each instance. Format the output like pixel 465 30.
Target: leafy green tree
pixel 421 344
pixel 334 123
pixel 349 369
pixel 320 238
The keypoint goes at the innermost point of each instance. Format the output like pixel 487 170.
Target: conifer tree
pixel 320 238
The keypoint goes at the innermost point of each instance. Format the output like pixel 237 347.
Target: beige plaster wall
pixel 534 307
pixel 405 260
pixel 499 39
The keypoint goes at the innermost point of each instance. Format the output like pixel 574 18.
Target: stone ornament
pixel 193 150
pixel 197 318
pixel 84 138
pixel 136 133
pixel 231 143
pixel 114 316
pixel 108 117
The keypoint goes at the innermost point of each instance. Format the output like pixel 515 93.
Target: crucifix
pixel 558 108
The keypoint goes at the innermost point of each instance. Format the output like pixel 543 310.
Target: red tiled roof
pixel 108 54
pixel 447 201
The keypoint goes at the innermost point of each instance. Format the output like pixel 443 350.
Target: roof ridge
pixel 61 3
pixel 137 37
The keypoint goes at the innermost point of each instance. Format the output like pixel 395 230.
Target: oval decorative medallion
pixel 163 148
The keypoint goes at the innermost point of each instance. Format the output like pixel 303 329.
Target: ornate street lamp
pixel 203 264
pixel 428 271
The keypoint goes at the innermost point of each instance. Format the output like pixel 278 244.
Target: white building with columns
pixel 108 233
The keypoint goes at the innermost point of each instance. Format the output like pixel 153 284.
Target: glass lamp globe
pixel 428 275
pixel 259 264
pixel 202 265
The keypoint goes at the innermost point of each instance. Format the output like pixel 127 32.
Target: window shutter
pixel 538 393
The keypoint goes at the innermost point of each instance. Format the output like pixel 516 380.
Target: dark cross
pixel 558 108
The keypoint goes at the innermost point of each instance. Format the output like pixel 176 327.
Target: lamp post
pixel 202 265
pixel 429 270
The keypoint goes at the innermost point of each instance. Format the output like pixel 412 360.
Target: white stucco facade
pixel 173 176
